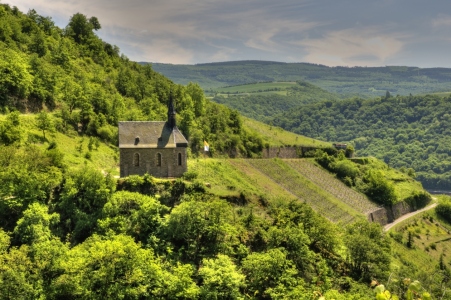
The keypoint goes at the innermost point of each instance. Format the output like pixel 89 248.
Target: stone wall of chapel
pixel 148 162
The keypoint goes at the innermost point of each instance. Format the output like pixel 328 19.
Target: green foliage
pixel 369 251
pixel 200 229
pixel 263 106
pixel 91 87
pixel 66 233
pixel 27 174
pixel 44 123
pixel 84 193
pixel 378 188
pixel 133 214
pixel 269 273
pixel 15 79
pixel 10 129
pixel 443 209
pixel 220 279
pixel 34 226
pixel 131 272
pixel 419 199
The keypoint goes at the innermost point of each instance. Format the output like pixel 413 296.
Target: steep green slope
pixel 421 244
pixel 363 81
pixel 91 86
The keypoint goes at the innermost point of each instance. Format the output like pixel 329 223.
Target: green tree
pixel 269 273
pixel 10 129
pixel 109 268
pixel 199 229
pixel 369 251
pixel 80 28
pixel 378 188
pixel 84 193
pixel 44 122
pixel 134 214
pixel 220 278
pixel 35 225
pixel 197 95
pixel 15 78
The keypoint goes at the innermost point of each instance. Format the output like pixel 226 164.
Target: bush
pixel 419 199
pixel 443 209
pixel 378 188
pixel 190 175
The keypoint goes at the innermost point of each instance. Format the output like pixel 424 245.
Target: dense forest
pixel 355 81
pixel 70 231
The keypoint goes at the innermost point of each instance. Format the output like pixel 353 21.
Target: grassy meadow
pixel 276 136
pixel 103 156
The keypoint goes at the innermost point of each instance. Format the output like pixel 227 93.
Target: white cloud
pixel 442 21
pixel 326 31
pixel 351 47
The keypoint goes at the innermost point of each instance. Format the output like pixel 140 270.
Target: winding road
pixel 406 216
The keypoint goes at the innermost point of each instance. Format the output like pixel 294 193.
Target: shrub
pixel 419 199
pixel 443 209
pixel 378 188
pixel 190 175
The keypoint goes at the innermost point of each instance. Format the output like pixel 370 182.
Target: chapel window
pixel 136 160
pixel 158 159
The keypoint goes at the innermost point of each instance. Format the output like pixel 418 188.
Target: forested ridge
pixel 70 231
pixel 346 81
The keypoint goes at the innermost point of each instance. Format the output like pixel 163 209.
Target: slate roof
pixel 150 134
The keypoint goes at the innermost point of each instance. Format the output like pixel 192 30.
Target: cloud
pixel 352 47
pixel 330 32
pixel 441 21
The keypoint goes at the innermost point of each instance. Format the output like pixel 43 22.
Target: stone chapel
pixel 154 147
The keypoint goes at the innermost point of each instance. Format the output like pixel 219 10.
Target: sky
pixel 328 32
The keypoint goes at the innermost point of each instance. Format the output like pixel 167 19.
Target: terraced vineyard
pixel 334 186
pixel 320 200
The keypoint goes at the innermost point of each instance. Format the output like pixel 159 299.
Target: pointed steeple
pixel 171 111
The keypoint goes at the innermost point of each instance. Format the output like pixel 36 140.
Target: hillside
pixel 355 81
pixel 405 132
pixel 228 229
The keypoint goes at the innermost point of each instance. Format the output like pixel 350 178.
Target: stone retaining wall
pixel 385 215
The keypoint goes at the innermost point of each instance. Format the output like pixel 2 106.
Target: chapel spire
pixel 171 111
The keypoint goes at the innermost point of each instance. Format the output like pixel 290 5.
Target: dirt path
pixel 406 216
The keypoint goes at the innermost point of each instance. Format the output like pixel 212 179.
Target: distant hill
pixel 362 81
pixel 262 101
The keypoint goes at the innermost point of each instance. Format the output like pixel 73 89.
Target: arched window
pixel 159 159
pixel 136 160
pixel 180 159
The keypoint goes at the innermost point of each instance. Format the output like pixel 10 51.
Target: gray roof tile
pixel 150 134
